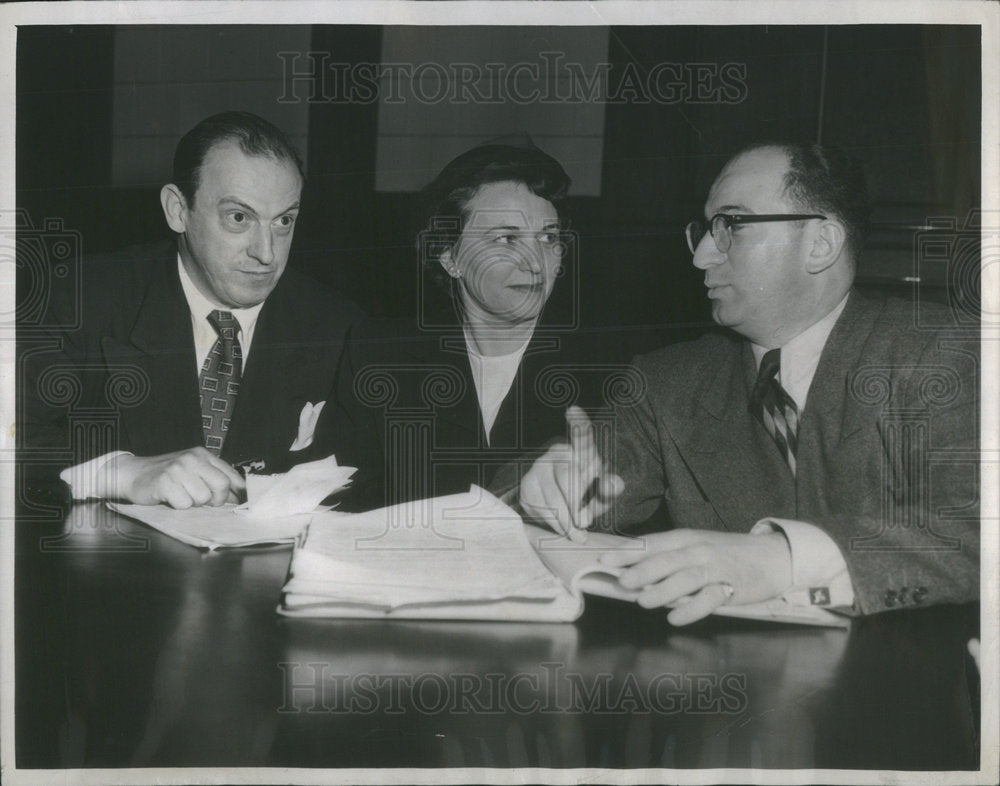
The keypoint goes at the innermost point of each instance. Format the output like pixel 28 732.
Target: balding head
pixel 770 272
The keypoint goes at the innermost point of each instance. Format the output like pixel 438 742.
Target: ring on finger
pixel 728 589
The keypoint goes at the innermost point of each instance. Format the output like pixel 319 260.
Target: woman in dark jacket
pixel 485 374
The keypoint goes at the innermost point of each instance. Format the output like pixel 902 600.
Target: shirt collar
pixel 809 341
pixel 470 345
pixel 201 306
pixel 800 355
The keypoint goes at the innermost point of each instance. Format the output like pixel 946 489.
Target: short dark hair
pixel 255 136
pixel 445 199
pixel 825 179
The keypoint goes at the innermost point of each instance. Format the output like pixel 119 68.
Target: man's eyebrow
pixel 724 208
pixel 228 201
pixel 240 203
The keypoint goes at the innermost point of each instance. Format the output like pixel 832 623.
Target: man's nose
pixel 262 247
pixel 707 253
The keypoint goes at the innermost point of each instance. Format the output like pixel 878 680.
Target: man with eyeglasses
pixel 819 449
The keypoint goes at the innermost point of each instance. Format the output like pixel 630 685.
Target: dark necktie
pixel 219 381
pixel 772 406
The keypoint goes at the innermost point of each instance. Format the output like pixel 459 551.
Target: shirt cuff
pixel 819 572
pixel 86 480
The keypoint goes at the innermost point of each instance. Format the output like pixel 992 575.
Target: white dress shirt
pixel 204 334
pixel 819 572
pixel 86 480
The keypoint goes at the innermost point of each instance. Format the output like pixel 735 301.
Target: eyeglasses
pixel 721 227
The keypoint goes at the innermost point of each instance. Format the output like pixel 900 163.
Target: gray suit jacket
pixel 887 451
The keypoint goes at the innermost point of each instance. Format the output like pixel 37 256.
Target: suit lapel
pixel 462 422
pixel 161 347
pixel 727 449
pixel 833 413
pixel 264 425
pixel 516 423
pixel 520 422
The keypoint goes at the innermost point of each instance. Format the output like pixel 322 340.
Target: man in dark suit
pixel 198 354
pixel 820 448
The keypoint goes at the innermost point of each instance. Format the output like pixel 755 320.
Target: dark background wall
pixel 904 99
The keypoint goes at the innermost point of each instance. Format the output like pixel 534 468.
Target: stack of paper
pixel 465 556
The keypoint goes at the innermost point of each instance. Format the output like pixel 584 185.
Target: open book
pixel 465 556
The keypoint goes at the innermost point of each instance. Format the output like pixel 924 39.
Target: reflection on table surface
pixel 136 650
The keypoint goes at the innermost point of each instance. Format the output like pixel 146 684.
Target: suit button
pixel 890 598
pixel 918 594
pixel 903 591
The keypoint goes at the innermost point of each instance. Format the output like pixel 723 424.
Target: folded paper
pixel 300 490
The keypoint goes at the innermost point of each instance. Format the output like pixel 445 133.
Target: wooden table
pixel 136 650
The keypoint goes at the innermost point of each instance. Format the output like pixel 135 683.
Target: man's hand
pixel 187 478
pixel 569 486
pixel 701 570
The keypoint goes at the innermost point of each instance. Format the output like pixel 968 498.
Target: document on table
pixel 578 564
pixel 277 509
pixel 465 556
pixel 212 528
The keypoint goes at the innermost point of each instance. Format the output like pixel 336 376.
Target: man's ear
pixel 174 207
pixel 827 246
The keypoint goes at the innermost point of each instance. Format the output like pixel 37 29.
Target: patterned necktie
pixel 772 406
pixel 219 381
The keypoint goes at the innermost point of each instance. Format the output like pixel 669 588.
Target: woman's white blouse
pixel 493 375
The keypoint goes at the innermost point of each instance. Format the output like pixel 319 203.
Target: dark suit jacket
pixel 887 451
pixel 126 378
pixel 408 414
